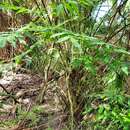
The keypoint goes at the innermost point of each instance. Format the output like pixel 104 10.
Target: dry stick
pixel 71 102
pixel 8 93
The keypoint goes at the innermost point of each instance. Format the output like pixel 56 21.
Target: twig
pixel 112 35
pixel 70 102
pixel 8 93
pixel 21 123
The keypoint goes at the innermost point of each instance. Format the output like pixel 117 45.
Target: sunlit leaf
pixel 3 42
pixel 63 39
pixel 125 69
pixel 76 43
pixel 58 34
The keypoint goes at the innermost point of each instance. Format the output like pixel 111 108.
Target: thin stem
pixel 116 32
pixel 8 93
pixel 70 101
pixel 44 5
pixel 103 19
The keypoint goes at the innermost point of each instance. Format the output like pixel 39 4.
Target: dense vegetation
pixel 82 44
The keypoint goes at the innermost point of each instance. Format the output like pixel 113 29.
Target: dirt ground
pixel 23 90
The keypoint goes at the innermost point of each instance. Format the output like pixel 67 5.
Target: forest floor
pixel 27 103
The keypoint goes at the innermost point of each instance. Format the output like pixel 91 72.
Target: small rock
pixel 7 107
pixel 19 93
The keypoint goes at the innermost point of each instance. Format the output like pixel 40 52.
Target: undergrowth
pixel 31 117
pixel 90 53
